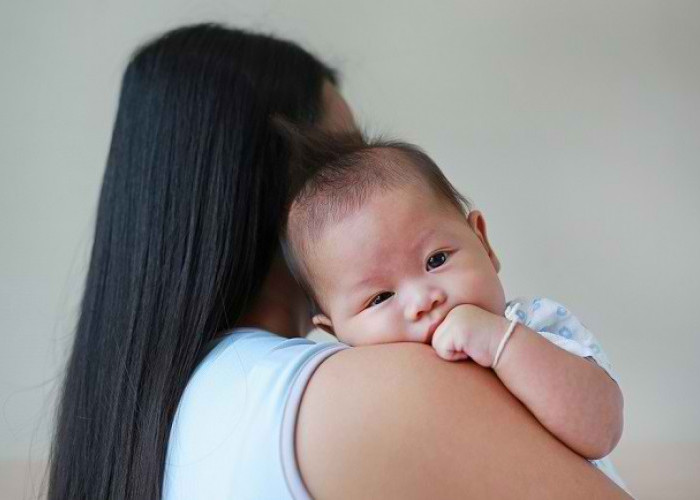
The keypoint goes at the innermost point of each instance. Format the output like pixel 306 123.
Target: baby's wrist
pixel 498 329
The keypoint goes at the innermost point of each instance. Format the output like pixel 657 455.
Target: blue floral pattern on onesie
pixel 556 323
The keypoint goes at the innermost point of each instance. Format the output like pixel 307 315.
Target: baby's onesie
pixel 556 323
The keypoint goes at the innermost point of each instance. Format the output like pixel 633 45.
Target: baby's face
pixel 392 270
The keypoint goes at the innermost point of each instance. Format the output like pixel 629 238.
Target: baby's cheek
pixel 493 296
pixel 483 289
pixel 355 332
pixel 378 328
pixel 348 330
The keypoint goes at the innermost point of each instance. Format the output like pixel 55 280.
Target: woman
pixel 186 288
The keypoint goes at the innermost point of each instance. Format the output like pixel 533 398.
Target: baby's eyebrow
pixel 423 238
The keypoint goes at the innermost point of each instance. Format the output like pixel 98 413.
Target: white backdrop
pixel 574 126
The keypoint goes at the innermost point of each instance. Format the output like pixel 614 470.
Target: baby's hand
pixel 469 331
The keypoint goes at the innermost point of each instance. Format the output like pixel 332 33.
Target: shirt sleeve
pixel 556 323
pixel 290 467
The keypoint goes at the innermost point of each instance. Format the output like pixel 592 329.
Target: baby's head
pixel 383 243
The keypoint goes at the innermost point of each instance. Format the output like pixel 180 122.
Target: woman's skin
pixel 396 421
pixel 389 421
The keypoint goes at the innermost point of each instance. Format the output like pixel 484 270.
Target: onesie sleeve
pixel 556 323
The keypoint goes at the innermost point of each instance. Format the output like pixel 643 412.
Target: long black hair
pixel 186 229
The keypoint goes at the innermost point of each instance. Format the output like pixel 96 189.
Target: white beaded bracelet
pixel 506 336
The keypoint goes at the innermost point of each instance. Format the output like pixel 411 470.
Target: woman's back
pixel 233 433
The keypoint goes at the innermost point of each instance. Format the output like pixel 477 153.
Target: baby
pixel 389 251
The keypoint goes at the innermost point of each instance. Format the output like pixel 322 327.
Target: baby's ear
pixel 323 322
pixel 478 224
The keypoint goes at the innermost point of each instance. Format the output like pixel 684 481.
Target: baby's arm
pixel 571 396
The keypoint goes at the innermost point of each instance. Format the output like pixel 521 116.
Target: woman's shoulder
pixel 396 421
pixel 245 359
pixel 252 347
pixel 245 368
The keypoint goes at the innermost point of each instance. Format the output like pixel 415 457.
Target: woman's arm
pixel 388 421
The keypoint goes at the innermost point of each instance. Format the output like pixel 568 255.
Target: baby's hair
pixel 332 176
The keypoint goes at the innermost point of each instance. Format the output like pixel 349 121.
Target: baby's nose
pixel 423 303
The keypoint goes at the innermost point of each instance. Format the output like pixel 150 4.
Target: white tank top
pixel 233 433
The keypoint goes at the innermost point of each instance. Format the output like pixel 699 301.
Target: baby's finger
pixel 449 354
pixel 454 356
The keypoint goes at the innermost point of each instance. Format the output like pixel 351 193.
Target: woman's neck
pixel 275 314
pixel 281 306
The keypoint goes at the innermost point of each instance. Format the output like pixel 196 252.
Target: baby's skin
pixel 407 266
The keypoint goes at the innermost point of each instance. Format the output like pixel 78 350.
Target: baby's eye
pixel 380 298
pixel 436 260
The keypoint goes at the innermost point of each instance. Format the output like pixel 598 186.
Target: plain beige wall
pixel 575 127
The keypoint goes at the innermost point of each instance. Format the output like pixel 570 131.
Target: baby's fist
pixel 469 331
